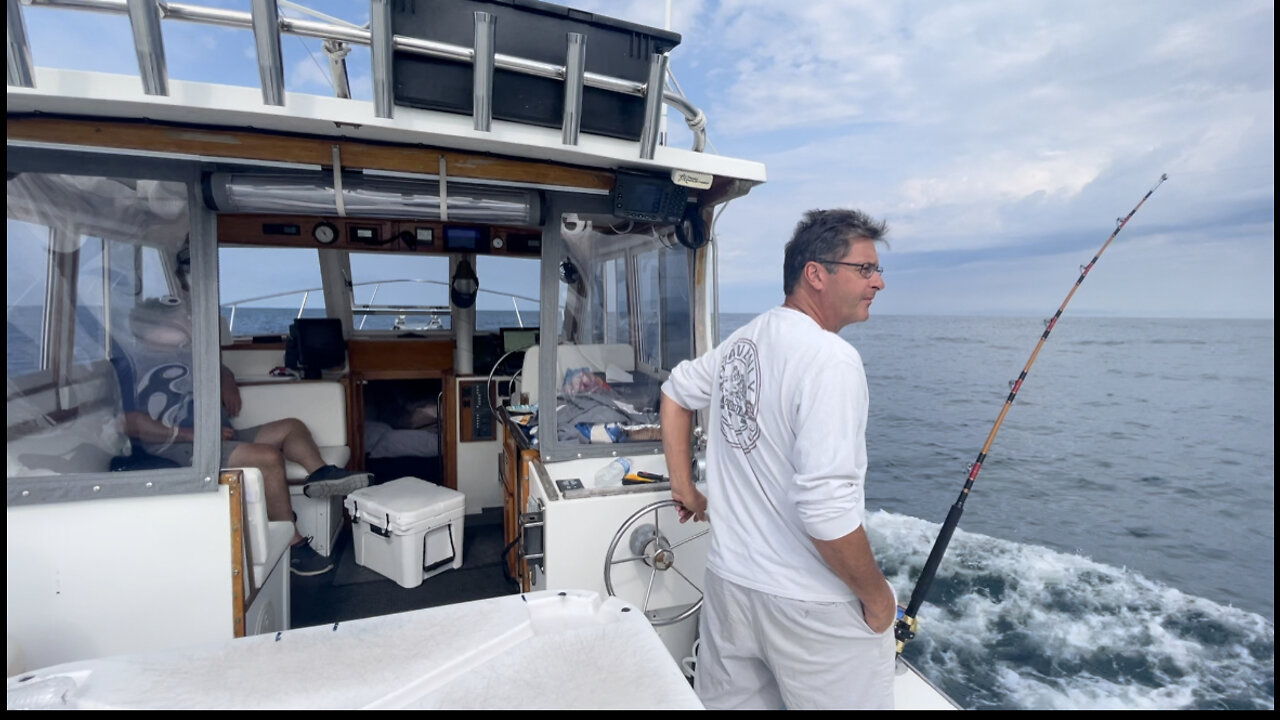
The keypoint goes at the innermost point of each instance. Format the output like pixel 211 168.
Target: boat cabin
pixel 479 280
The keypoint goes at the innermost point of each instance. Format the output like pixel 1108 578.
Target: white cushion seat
pixel 322 406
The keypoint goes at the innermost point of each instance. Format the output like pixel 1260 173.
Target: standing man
pixel 797 613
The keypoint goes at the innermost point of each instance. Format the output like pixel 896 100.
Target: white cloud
pixel 1003 138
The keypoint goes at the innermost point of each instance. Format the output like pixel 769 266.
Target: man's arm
pixel 143 427
pixel 850 557
pixel 230 392
pixel 677 444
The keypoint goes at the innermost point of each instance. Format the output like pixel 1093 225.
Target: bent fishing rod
pixel 906 625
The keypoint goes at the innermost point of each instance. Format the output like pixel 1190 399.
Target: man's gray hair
pixel 826 235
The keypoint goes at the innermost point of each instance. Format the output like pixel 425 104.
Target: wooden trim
pixel 522 494
pixel 280 147
pixel 234 480
pixel 514 474
pixel 450 425
pixel 400 359
pixel 355 383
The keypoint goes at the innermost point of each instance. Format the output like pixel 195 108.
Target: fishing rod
pixel 906 626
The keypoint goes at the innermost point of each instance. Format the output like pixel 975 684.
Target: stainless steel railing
pixel 369 309
pixel 268 24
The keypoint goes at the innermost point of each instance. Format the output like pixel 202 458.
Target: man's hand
pixel 879 616
pixel 693 504
pixel 677 434
pixel 850 558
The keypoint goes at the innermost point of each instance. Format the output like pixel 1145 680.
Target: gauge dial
pixel 325 233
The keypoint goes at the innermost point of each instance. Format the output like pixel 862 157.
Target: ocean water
pixel 1117 547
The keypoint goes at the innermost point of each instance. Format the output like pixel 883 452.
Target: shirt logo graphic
pixel 740 395
pixel 165 394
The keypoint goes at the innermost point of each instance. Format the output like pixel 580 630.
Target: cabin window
pixel 613 294
pixel 99 370
pixel 399 292
pixel 509 288
pixel 27 279
pixel 262 290
pixel 674 306
pixel 624 321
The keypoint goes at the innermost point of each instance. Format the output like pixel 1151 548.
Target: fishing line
pixel 906 626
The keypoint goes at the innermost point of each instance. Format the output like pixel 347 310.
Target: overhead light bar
pixel 366 196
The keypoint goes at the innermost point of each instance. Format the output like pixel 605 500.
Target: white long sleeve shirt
pixel 786 451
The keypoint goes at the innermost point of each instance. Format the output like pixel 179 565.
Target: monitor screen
pixel 464 238
pixel 319 345
pixel 518 338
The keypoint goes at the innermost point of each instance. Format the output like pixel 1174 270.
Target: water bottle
pixel 611 475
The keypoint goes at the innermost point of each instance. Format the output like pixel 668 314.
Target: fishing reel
pixel 904 629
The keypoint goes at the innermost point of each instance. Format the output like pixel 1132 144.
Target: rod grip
pixel 935 558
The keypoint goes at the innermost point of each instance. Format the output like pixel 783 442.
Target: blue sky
pixel 1001 141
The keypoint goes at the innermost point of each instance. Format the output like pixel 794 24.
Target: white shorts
pixel 762 652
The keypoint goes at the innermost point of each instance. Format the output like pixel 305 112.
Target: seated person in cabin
pixel 158 397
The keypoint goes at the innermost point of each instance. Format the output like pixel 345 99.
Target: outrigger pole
pixel 906 626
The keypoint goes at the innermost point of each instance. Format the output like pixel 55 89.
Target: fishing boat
pixel 506 141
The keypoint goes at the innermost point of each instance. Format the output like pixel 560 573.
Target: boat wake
pixel 1017 626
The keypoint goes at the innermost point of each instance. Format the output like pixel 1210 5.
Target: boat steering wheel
pixel 650 547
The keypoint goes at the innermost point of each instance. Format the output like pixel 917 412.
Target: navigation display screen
pixel 464 238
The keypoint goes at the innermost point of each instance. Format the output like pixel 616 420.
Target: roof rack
pixel 268 24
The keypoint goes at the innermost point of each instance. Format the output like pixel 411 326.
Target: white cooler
pixel 407 529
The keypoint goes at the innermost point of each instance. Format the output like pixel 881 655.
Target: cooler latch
pixel 383 531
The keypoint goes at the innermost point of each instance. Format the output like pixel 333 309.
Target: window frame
pixel 554 248
pixel 202 474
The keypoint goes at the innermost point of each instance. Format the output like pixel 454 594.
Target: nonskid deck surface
pixel 349 591
pixel 542 650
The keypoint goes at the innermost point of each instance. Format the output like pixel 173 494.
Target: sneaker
pixel 305 561
pixel 332 480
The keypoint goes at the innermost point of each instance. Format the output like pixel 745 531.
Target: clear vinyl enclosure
pixel 623 317
pixel 101 354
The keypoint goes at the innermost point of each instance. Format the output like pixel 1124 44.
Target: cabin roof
pixel 78 93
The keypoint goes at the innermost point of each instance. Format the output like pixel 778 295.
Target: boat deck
pixel 350 591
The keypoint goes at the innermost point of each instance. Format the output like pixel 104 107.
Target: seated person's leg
pixel 303 559
pixel 291 437
pixel 271 463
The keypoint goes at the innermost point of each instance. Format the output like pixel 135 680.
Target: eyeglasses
pixel 866 270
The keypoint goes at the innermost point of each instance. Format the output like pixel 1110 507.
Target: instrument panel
pixel 364 235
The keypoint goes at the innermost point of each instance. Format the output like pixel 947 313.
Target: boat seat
pixel 322 406
pixel 254 365
pixel 267 542
pixel 608 358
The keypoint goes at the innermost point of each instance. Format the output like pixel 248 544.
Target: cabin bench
pixel 253 364
pixel 322 406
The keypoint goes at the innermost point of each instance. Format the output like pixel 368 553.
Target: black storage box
pixel 532 30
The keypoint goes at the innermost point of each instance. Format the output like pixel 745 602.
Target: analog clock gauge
pixel 325 233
